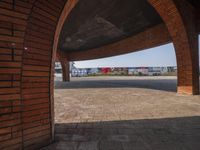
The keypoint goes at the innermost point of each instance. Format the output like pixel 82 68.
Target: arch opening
pixel 110 111
pixel 184 32
pixel 28 31
pixel 184 87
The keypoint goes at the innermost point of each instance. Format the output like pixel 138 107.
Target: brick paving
pixel 125 113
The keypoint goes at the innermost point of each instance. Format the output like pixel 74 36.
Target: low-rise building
pixel 131 71
pixel 93 71
pixel 154 71
pixel 120 71
pixel 142 71
pixel 79 72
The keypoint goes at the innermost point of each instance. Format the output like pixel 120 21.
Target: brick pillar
pixel 63 59
pixel 65 70
pixel 179 17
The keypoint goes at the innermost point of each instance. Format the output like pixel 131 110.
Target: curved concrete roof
pixel 93 23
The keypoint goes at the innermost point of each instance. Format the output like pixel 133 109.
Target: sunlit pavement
pixel 125 113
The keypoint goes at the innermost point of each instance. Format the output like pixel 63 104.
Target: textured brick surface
pixel 180 21
pixel 29 32
pixel 26 35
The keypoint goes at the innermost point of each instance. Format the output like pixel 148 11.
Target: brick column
pixel 65 70
pixel 63 59
pixel 179 17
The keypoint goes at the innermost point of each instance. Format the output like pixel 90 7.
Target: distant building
pixel 172 69
pixel 58 68
pixel 154 71
pixel 164 70
pixel 92 71
pixel 138 71
pixel 105 70
pixel 142 71
pixel 119 71
pixel 132 71
pixel 79 72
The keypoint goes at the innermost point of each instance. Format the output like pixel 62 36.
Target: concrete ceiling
pixel 94 23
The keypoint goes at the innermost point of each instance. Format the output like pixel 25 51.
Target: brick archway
pixel 179 18
pixel 29 32
pixel 70 4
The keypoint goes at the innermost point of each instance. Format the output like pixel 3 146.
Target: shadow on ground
pixel 158 84
pixel 153 134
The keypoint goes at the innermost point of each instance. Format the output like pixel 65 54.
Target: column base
pixel 66 80
pixel 187 90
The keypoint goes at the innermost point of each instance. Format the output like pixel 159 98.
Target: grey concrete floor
pixel 125 113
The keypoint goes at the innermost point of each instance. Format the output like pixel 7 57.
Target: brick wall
pixel 29 32
pixel 26 39
pixel 13 22
pixel 179 18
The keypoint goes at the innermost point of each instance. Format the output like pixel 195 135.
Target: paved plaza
pixel 125 113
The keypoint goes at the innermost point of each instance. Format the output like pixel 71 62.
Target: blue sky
pixel 158 56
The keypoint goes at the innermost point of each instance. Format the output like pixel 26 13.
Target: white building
pixel 78 72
